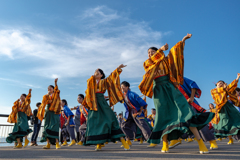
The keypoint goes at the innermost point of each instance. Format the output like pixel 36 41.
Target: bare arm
pixel 191 99
pixel 186 37
pixel 56 81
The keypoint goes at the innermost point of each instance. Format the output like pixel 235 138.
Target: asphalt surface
pixel 186 151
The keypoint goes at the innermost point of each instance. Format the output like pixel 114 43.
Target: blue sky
pixel 42 40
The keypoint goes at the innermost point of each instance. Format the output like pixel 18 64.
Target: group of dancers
pixel 177 113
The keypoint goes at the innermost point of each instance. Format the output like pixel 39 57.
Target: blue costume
pixel 136 101
pixel 70 127
pixel 68 113
pixel 133 103
pixel 187 86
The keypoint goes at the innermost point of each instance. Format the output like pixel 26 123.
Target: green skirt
pixel 20 129
pixel 51 127
pixel 174 115
pixel 102 125
pixel 229 123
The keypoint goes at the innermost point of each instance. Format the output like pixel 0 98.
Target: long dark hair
pixel 238 89
pixel 81 95
pixel 65 101
pixel 101 71
pixel 220 81
pixel 51 86
pixel 126 84
pixel 153 48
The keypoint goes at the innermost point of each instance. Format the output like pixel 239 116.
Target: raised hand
pixel 164 47
pixel 121 66
pixel 238 76
pixel 56 81
pixel 30 90
pixel 186 37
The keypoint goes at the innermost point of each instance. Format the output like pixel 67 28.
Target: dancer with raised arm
pixel 102 124
pixel 227 118
pixel 21 110
pixel 52 102
pixel 174 117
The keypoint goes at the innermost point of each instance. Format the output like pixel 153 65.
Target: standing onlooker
pixel 36 126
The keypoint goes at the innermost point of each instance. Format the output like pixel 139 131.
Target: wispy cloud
pixel 98 15
pixel 19 83
pixel 103 45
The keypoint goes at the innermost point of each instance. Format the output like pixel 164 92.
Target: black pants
pixel 129 127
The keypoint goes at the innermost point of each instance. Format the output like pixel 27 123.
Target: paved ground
pixel 187 151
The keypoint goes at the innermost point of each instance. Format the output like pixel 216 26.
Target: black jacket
pixel 34 117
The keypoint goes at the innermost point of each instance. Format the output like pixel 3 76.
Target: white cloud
pixel 98 15
pixel 19 83
pixel 103 46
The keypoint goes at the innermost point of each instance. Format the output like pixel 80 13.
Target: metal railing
pixel 5 129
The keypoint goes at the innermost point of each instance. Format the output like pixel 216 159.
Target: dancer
pixel 211 108
pixel 51 118
pixel 227 119
pixel 102 124
pixel 77 116
pixel 173 114
pixel 64 135
pixel 68 115
pixel 134 114
pixel 151 117
pixel 36 127
pixel 20 111
pixel 190 90
pixel 120 119
pixel 83 120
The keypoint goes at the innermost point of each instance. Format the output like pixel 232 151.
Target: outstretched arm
pixel 232 86
pixel 186 37
pixel 56 81
pixel 238 76
pixel 121 66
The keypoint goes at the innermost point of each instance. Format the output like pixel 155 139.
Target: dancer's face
pixel 211 106
pixel 220 84
pixel 50 90
pixel 238 93
pixel 153 112
pixel 22 98
pixel 62 103
pixel 151 52
pixel 80 99
pixel 97 74
pixel 124 88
